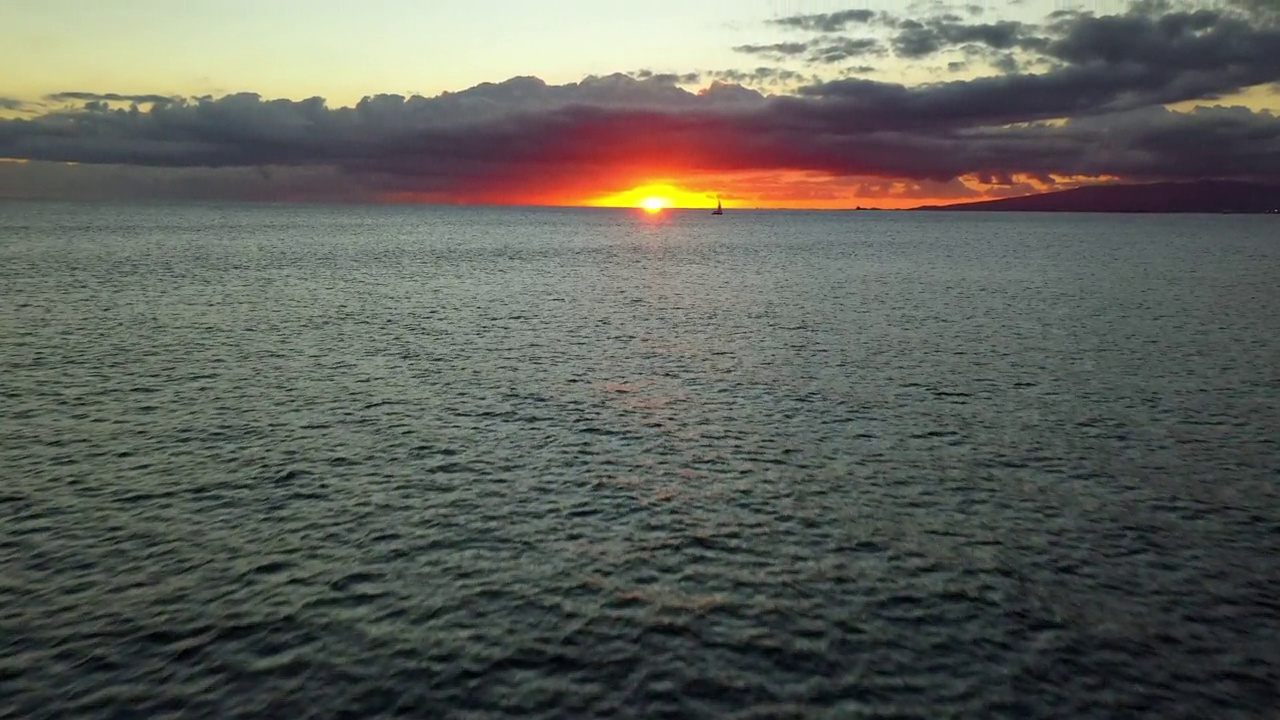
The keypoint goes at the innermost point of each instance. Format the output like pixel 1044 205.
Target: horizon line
pixel 495 205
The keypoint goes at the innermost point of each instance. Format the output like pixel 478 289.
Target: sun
pixel 654 198
pixel 653 203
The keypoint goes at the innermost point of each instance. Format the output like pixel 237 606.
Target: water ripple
pixel 321 463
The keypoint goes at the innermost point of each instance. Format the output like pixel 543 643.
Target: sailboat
pixel 719 208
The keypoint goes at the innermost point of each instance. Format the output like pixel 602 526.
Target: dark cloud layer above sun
pixel 1095 107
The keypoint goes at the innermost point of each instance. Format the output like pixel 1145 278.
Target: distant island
pixel 1204 196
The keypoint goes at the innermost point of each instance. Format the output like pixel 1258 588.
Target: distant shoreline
pixel 1205 197
pixel 1217 197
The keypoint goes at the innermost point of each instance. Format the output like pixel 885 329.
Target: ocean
pixel 360 462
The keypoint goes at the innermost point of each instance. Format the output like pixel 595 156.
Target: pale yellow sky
pixel 346 50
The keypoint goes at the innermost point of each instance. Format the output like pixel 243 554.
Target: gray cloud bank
pixel 1096 109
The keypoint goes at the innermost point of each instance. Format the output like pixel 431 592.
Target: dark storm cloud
pixel 11 104
pixel 1112 76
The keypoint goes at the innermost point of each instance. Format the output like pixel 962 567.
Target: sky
pixel 761 103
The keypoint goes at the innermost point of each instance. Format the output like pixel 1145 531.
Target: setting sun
pixel 655 197
pixel 654 204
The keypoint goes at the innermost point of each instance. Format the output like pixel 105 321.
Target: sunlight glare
pixel 654 197
pixel 653 204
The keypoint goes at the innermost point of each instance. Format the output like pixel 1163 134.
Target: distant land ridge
pixel 1201 196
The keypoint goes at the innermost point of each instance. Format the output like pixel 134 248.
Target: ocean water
pixel 308 462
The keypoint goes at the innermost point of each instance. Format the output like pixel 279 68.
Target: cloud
pixel 842 49
pixel 1108 65
pixel 1159 143
pixel 1258 7
pixel 763 77
pixel 920 39
pixel 772 77
pixel 1096 111
pixel 689 78
pixel 782 48
pixel 827 22
pixel 1006 63
pixel 937 29
pixel 11 104
pixel 109 97
pixel 819 51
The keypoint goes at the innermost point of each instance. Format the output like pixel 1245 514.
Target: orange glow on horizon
pixel 771 190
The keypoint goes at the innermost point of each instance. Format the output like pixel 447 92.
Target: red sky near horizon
pixel 773 191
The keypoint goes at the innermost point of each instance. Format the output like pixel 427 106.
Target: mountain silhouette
pixel 1203 196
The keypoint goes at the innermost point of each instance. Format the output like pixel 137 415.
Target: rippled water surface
pixel 364 462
